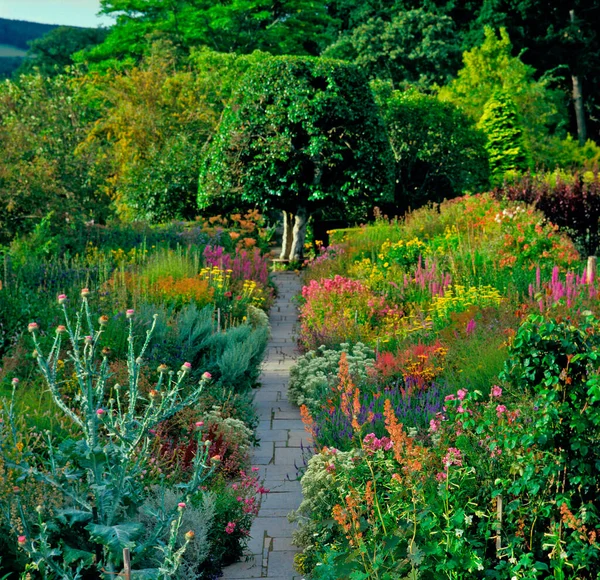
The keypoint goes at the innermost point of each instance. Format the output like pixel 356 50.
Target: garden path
pixel 281 434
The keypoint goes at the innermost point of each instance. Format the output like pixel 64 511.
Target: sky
pixel 68 12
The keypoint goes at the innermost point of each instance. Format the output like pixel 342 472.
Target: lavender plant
pixel 100 474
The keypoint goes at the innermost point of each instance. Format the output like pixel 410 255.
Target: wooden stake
pixel 499 525
pixel 590 274
pixel 126 564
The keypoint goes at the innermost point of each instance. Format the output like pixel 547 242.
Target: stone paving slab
pixel 281 434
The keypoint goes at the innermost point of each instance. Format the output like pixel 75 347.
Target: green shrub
pixel 505 139
pixel 315 374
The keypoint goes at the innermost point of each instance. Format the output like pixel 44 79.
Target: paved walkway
pixel 281 432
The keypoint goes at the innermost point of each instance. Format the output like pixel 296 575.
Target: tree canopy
pixel 286 27
pixel 300 134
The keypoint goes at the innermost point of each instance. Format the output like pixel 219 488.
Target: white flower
pixel 459 533
pixel 468 520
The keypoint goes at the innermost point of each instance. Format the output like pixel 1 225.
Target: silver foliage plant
pixel 100 472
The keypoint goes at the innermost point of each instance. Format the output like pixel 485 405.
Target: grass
pixel 9 51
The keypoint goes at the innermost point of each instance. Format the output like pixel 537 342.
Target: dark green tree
pixel 51 53
pixel 438 150
pixel 299 135
pixel 412 46
pixel 505 138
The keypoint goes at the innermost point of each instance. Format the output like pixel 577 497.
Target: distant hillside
pixel 14 36
pixel 18 32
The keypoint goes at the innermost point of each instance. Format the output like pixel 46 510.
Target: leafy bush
pixel 505 143
pixel 316 372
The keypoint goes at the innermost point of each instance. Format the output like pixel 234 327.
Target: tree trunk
pixel 300 223
pixel 578 99
pixel 286 242
pixel 579 111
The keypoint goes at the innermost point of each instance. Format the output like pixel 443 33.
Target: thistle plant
pixel 100 473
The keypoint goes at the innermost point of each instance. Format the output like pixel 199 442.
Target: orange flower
pixel 370 497
pixel 234 235
pixel 309 423
pixel 409 455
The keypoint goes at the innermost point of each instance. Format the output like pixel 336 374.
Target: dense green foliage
pixel 51 53
pixel 413 47
pixel 492 67
pixel 299 135
pixel 438 151
pixel 288 27
pixel 505 142
pixel 42 123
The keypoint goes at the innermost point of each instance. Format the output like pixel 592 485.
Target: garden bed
pixel 450 384
pixel 131 426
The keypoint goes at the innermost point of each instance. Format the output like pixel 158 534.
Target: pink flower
pixel 461 394
pixel 433 425
pixel 22 540
pixel 255 468
pixel 500 409
pixel 449 398
pixel 460 409
pixel 453 457
pixel 100 412
pixel 230 528
pixel 15 382
pixel 129 313
pixel 61 328
pixel 181 506
pixel 62 298
pixel 441 476
pixel 496 391
pixel 186 367
pixel 206 375
pixel 88 340
pixel 32 326
pixel 470 326
pixel 199 423
pixel 85 292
